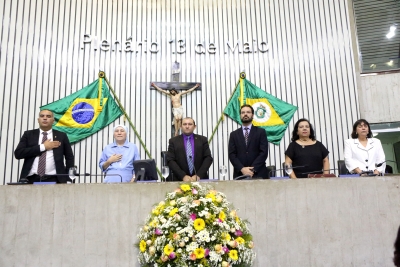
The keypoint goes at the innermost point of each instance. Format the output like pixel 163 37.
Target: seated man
pixel 189 155
pixel 43 151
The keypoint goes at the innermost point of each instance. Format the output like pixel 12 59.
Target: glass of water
pixel 288 169
pixel 222 171
pixel 165 172
pixel 71 173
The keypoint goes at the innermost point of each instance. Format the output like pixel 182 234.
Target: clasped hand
pixel 193 178
pixel 248 171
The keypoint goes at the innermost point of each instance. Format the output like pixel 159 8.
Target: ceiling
pixel 373 21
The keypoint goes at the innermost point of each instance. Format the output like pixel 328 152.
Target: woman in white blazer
pixel 363 153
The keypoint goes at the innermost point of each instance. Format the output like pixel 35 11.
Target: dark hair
pixel 359 122
pixel 194 123
pixel 396 258
pixel 173 89
pixel 295 136
pixel 249 106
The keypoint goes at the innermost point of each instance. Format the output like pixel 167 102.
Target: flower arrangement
pixel 195 226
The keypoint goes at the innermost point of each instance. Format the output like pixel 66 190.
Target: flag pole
pixel 103 75
pixel 242 76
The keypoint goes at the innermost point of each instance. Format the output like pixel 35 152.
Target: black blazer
pixel 28 149
pixel 253 155
pixel 176 157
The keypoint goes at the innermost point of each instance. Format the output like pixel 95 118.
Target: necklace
pixel 304 141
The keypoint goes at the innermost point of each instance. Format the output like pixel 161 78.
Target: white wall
pixel 309 63
pixel 379 98
pixel 303 222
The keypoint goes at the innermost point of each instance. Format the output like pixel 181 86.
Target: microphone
pixel 243 177
pixel 293 167
pixel 369 173
pixel 319 171
pixel 380 164
pixel 194 168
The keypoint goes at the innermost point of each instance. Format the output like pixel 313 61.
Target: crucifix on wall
pixel 171 89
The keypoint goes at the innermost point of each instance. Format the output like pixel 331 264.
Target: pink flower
pixel 172 255
pixel 206 252
pixel 158 231
pixel 225 249
pixel 194 191
pixel 238 233
pixel 193 257
pixel 193 216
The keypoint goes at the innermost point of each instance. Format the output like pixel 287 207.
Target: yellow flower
pixel 240 240
pixel 168 249
pixel 173 211
pixel 142 246
pixel 199 224
pixel 233 254
pixel 226 236
pixel 156 211
pixel 211 196
pixel 153 223
pixel 222 216
pixel 199 252
pixel 185 187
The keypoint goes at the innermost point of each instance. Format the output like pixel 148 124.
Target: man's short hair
pixel 52 113
pixel 194 123
pixel 249 106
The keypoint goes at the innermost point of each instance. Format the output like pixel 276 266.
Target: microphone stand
pixel 319 171
pixel 293 167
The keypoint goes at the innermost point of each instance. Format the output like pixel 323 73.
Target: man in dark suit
pixel 189 155
pixel 248 147
pixel 43 151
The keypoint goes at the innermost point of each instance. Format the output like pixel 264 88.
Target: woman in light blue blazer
pixel 363 153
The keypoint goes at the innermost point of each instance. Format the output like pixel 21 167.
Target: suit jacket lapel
pixel 197 148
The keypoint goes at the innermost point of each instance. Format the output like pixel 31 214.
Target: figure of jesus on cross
pixel 177 108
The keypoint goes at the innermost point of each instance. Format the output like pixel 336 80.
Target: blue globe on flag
pixel 82 113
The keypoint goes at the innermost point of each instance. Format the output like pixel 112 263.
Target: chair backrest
pixel 342 167
pixel 271 171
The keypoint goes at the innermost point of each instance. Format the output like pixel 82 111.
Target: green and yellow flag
pixel 85 112
pixel 270 113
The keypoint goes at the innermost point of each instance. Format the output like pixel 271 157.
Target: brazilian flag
pixel 85 112
pixel 270 113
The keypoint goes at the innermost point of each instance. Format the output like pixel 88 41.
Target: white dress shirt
pixel 50 165
pixel 365 158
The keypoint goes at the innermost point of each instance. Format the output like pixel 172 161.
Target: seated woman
pixel 117 158
pixel 363 153
pixel 305 152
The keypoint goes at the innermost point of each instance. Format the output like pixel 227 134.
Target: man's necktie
pixel 189 154
pixel 42 159
pixel 246 135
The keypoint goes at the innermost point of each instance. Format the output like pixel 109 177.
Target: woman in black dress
pixel 305 153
